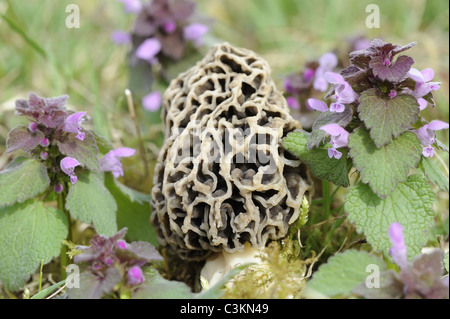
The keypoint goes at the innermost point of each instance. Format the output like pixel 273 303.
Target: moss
pixel 281 275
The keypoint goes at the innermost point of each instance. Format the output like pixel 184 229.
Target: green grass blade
pixel 47 291
pixel 27 39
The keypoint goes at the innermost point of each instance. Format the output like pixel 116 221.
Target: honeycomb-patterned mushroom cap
pixel 222 178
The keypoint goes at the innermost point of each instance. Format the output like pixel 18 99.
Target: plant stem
pixel 138 131
pixel 326 198
pixel 64 258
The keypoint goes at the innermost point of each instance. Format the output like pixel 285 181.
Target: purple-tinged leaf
pixel 424 278
pixel 172 45
pixel 400 48
pixel 395 72
pixel 391 287
pixel 138 253
pixel 86 151
pixel 20 138
pixel 93 286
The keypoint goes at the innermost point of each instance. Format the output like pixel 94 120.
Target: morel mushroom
pixel 223 182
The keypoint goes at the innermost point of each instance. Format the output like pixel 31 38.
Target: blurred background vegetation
pixel 38 53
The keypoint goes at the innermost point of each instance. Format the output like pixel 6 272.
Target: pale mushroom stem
pixel 217 266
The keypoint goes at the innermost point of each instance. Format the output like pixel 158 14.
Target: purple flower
pixel 337 107
pixel 121 244
pixel 195 32
pixel 58 188
pixel 288 86
pixel 170 26
pixel 327 62
pixel 68 165
pixel 111 161
pixel 317 105
pixel 427 135
pixel 135 276
pixel 121 37
pixel 45 142
pixel 339 138
pixel 343 92
pixel 152 102
pixel 293 103
pixel 72 124
pixel 308 74
pixel 44 156
pixel 148 50
pixel 423 84
pixel 392 94
pixel 398 249
pixel 428 151
pixel 132 6
pixel 33 127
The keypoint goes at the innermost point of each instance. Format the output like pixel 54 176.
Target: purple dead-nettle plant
pixel 421 277
pixel 66 169
pixel 300 87
pixel 339 138
pixel 111 161
pixel 163 33
pixel 381 92
pixel 113 264
pixel 375 125
pixel 163 29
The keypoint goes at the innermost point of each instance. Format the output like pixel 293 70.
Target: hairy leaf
pixel 85 152
pixel 393 73
pixel 29 235
pixel 410 205
pixel 344 272
pixel 21 138
pixel 383 168
pixel 90 201
pixel 156 287
pixel 133 211
pixel 334 170
pixel 434 174
pixel 21 180
pixel 387 119
pixel 94 287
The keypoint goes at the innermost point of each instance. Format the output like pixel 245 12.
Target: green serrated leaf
pixel 343 272
pixel 90 201
pixel 21 180
pixel 85 151
pixel 156 287
pixel 383 168
pixel 434 174
pixel 104 146
pixel 29 233
pixel 342 119
pixel 410 205
pixel 133 211
pixel 334 170
pixel 387 119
